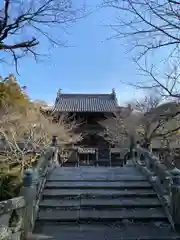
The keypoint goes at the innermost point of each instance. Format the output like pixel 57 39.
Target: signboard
pixel 87 150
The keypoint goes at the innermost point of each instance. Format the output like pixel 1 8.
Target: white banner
pixel 87 150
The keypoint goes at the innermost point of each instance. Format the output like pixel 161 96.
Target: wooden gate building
pixel 88 110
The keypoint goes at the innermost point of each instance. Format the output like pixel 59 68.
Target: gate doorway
pixel 87 156
pixel 87 159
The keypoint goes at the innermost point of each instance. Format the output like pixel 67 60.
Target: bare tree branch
pixel 167 84
pixel 150 120
pixel 175 2
pixel 149 25
pixel 119 129
pixel 34 131
pixel 23 24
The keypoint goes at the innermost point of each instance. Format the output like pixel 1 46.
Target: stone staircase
pixel 69 164
pixel 102 162
pixel 101 203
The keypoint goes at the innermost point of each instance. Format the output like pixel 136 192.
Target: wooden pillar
pixel 110 156
pixel 88 158
pixel 97 164
pixel 77 158
pixel 175 197
pixel 76 153
pixel 131 147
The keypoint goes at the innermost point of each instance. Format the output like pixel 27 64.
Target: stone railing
pixel 165 181
pixel 18 215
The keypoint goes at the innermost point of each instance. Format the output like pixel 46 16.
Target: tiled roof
pixel 85 103
pixel 169 108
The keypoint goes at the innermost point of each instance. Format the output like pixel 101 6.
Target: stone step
pixel 99 180
pixel 103 161
pixel 61 193
pixel 95 177
pixel 135 214
pixel 97 170
pixel 68 163
pixel 109 203
pixel 103 164
pixel 127 231
pixel 100 203
pixel 117 164
pixel 98 185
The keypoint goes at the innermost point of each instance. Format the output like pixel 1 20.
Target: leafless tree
pixel 120 128
pixel 149 120
pixel 150 25
pixel 166 82
pixel 159 122
pixel 34 131
pixel 24 24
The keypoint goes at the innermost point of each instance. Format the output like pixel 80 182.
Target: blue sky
pixel 92 64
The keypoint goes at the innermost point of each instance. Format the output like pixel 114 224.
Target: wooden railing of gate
pixel 74 156
pixel 165 181
pixel 17 215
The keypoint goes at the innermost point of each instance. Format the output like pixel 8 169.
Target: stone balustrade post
pixel 138 152
pixel 56 152
pixel 175 196
pixel 54 141
pixel 28 191
pixel 134 155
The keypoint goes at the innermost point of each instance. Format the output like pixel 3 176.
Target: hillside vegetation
pixel 25 130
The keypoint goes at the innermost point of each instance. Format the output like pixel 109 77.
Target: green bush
pixel 10 184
